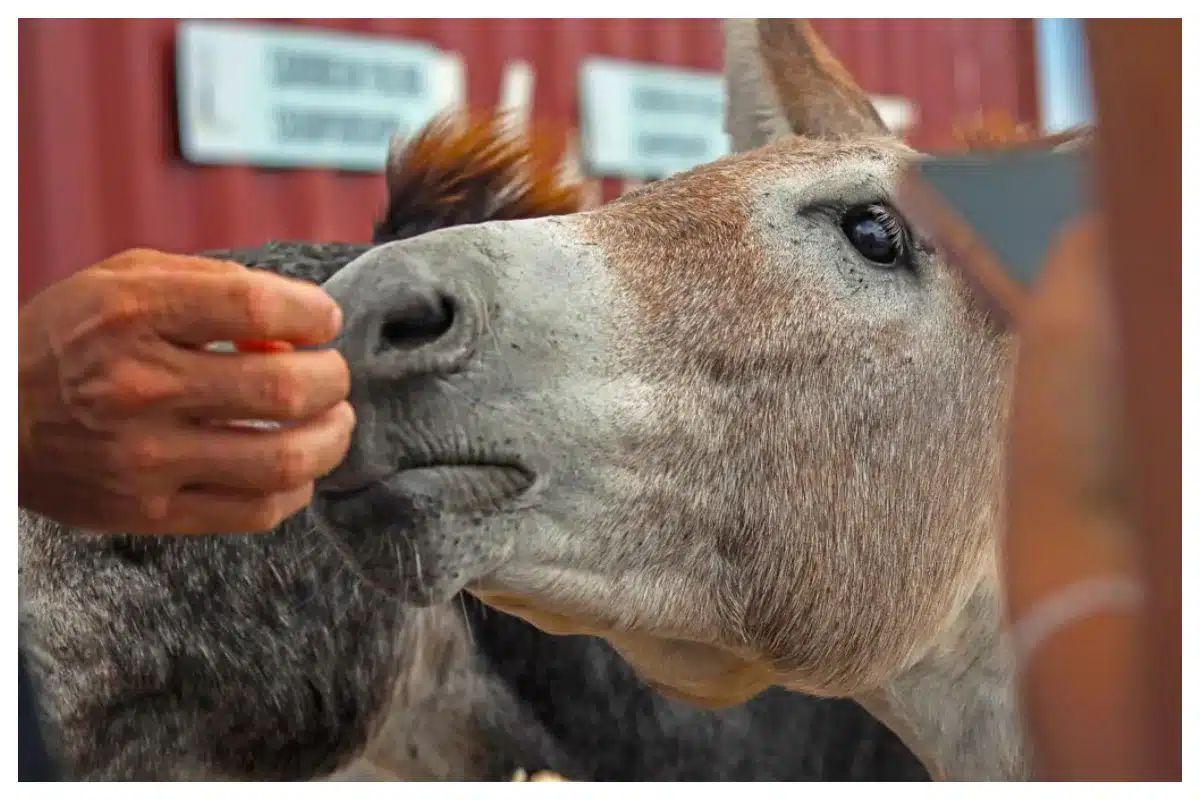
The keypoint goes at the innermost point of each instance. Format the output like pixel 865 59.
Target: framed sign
pixel 285 97
pixel 648 121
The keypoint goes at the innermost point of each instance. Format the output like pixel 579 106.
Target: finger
pixel 268 386
pixel 244 459
pixel 202 510
pixel 145 258
pixel 195 308
pixel 195 510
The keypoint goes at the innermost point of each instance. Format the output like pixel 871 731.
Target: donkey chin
pixel 419 532
pixel 426 532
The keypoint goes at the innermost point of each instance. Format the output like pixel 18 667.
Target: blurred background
pixel 184 136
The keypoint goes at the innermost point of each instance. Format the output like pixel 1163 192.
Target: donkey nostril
pixel 416 319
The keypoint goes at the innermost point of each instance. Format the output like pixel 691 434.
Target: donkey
pixel 742 423
pixel 269 657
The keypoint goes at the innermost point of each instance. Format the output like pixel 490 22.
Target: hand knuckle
pixel 301 501
pixel 120 298
pixel 294 502
pixel 89 401
pixel 135 255
pixel 127 385
pixel 254 302
pixel 154 507
pixel 272 511
pixel 135 385
pixel 345 424
pixel 263 516
pixel 122 307
pixel 341 373
pixel 286 392
pixel 293 465
pixel 144 454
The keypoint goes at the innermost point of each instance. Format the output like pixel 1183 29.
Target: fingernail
pixel 335 317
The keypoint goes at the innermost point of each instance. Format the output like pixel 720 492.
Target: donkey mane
pixel 990 132
pixel 464 169
pixel 460 169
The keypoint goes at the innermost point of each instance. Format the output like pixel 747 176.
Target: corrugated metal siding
pixel 99 161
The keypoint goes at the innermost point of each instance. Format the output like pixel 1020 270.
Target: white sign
pixel 283 97
pixel 647 121
pixel 898 113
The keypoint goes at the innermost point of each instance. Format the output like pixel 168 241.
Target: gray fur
pixel 213 657
pixel 268 657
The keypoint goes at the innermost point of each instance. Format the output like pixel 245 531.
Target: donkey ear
pixel 782 80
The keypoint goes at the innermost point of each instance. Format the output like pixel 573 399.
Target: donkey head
pixel 743 423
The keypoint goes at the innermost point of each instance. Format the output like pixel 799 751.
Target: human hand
pixel 124 417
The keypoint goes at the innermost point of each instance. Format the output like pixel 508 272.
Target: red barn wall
pixel 99 163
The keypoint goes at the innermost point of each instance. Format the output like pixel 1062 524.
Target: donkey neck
pixel 957 709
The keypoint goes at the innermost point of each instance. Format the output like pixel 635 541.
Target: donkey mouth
pixel 463 487
pixel 419 534
pixel 448 487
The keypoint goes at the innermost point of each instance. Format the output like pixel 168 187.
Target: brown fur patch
pixel 684 248
pixel 839 572
pixel 461 171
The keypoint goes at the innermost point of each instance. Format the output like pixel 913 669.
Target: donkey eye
pixel 876 232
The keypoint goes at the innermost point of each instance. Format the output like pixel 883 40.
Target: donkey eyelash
pixel 891 225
